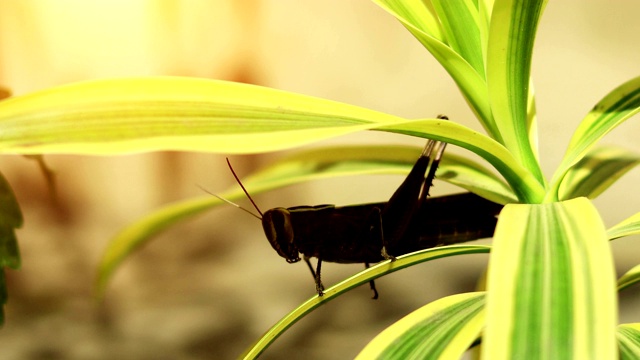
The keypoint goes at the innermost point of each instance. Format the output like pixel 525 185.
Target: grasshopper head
pixel 278 229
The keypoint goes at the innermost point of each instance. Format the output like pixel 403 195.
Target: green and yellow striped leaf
pixel 114 116
pixel 419 19
pixel 374 272
pixel 597 171
pixel 615 108
pixel 631 277
pixel 551 284
pixel 460 22
pixel 524 184
pixel 443 329
pixel 629 341
pixel 511 37
pixel 109 117
pixel 627 227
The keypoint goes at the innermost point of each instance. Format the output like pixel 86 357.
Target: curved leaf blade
pixel 303 166
pixel 597 171
pixel 172 113
pixel 372 273
pixel 629 226
pixel 472 176
pixel 167 113
pixel 418 19
pixel 443 329
pixel 629 341
pixel 511 37
pixel 551 291
pixel 460 21
pixel 524 184
pixel 616 107
pixel 629 278
pixel 417 13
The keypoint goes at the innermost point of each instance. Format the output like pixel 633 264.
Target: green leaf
pixel 597 171
pixel 303 166
pixel 551 291
pixel 420 21
pixel 460 22
pixel 629 341
pixel 616 107
pixel 172 113
pixel 419 14
pixel 511 38
pixel 472 176
pixel 627 227
pixel 443 329
pixel 631 277
pixel 374 272
pixel 524 184
pixel 167 113
pixel 485 7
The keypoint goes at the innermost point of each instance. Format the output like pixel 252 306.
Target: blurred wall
pixel 209 287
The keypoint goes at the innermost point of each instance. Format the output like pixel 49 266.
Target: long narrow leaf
pixel 302 166
pixel 419 14
pixel 523 183
pixel 511 37
pixel 172 113
pixel 551 285
pixel 363 277
pixel 167 113
pixel 629 226
pixel 597 171
pixel 443 329
pixel 485 7
pixel 631 277
pixel 460 21
pixel 629 341
pixel 616 107
pixel 417 18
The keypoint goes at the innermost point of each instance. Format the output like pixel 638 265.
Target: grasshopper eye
pixel 277 227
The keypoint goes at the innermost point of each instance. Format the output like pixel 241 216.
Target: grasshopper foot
pixel 386 255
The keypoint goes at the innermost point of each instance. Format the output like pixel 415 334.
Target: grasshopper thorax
pixel 278 229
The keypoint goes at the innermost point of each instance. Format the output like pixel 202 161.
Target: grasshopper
pixel 369 233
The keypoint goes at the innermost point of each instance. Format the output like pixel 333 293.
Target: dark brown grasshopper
pixel 370 233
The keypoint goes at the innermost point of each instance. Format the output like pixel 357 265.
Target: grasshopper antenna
pixel 243 189
pixel 230 202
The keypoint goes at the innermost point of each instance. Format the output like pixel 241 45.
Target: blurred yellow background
pixel 209 287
